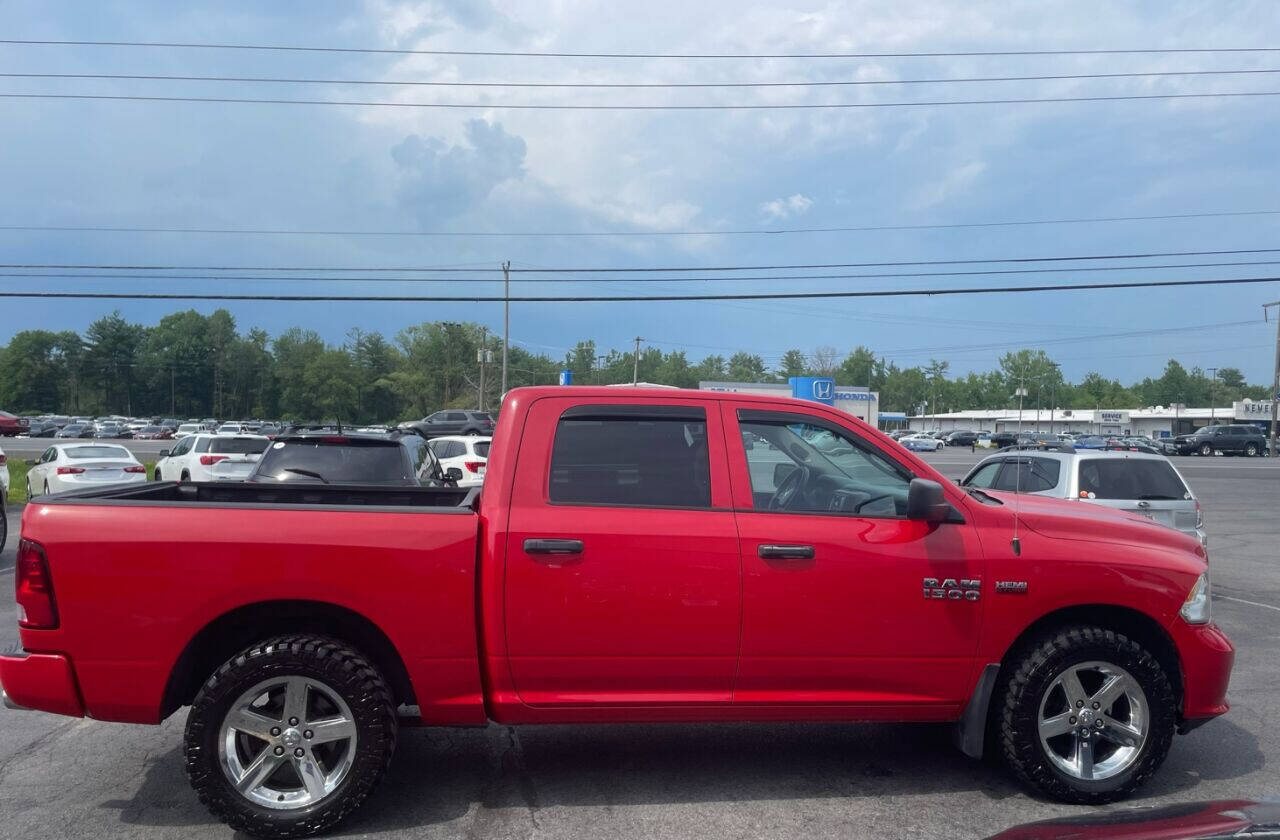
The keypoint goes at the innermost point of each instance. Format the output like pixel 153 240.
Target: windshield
pixel 80 452
pixel 238 446
pixel 354 463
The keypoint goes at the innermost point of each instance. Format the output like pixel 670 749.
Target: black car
pixel 1002 439
pixel 42 429
pixel 453 422
pixel 1237 439
pixel 395 460
pixel 76 430
pixel 962 438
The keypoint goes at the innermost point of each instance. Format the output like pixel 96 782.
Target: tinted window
pixel 336 463
pixel 1130 478
pixel 1239 430
pixel 984 476
pixel 238 446
pixel 1028 475
pixel 456 417
pixel 481 449
pixel 654 462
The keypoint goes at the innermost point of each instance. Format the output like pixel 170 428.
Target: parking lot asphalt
pixel 66 778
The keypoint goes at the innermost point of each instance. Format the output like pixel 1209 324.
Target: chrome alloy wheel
pixel 1093 720
pixel 287 743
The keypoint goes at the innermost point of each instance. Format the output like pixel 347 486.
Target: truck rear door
pixel 622 572
pixel 846 603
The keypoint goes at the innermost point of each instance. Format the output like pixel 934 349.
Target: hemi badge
pixel 1015 587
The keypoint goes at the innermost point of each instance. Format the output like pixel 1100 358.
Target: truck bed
pixel 142 572
pixel 172 493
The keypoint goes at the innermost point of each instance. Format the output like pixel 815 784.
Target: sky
pixel 499 171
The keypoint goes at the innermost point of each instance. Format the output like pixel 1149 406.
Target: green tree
pixel 746 367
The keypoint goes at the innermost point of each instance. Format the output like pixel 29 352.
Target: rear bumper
pixel 40 681
pixel 1207 656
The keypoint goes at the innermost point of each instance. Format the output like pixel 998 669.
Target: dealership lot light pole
pixel 1275 380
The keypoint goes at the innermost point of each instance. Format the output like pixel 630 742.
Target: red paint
pixel 667 614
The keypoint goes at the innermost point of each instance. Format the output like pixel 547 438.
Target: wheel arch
pixel 237 629
pixel 1133 623
pixel 974 731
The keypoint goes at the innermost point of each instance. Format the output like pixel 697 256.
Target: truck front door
pixel 622 575
pixel 845 601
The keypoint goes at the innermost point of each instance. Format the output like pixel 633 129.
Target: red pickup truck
pixel 636 555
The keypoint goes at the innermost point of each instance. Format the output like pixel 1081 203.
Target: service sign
pixel 1113 417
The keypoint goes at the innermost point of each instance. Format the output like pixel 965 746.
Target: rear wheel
pixel 289 737
pixel 186 476
pixel 4 525
pixel 1206 449
pixel 1251 449
pixel 1087 715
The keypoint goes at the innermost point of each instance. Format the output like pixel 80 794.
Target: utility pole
pixel 635 367
pixel 1275 379
pixel 1020 393
pixel 172 384
pixel 1213 388
pixel 506 321
pixel 484 334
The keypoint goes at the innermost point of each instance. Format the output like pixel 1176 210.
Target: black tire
pixel 470 432
pixel 341 669
pixel 4 524
pixel 1030 676
pixel 1206 449
pixel 1251 450
pixel 157 475
pixel 186 476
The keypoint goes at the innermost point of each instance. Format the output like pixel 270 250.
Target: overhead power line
pixel 533 54
pixel 936 292
pixel 703 279
pixel 629 85
pixel 650 269
pixel 505 106
pixel 729 232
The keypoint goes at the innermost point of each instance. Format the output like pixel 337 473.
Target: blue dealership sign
pixel 566 377
pixel 817 388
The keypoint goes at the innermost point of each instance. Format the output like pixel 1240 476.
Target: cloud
pixel 437 180
pixel 955 182
pixel 785 208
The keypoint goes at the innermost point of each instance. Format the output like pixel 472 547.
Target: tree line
pixel 195 365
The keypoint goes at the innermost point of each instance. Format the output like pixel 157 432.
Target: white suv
pixel 205 456
pixel 468 453
pixel 1136 482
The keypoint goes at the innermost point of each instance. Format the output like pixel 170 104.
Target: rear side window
pixel 482 449
pixel 1130 478
pixel 238 446
pixel 645 461
pixel 1028 475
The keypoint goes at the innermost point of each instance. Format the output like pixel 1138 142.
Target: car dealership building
pixel 862 403
pixel 1157 421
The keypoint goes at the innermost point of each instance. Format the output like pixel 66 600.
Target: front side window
pixel 629 456
pixel 984 476
pixel 457 417
pixel 811 467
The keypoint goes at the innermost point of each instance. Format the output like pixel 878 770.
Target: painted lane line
pixel 1250 603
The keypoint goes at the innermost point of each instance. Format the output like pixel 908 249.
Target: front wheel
pixel 288 737
pixel 1087 715
pixel 1206 449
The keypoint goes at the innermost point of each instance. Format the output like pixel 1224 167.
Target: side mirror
pixel 781 471
pixel 163 453
pixel 453 474
pixel 926 501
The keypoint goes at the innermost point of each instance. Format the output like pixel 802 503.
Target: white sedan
pixel 77 466
pixel 468 453
pixel 920 443
pixel 206 456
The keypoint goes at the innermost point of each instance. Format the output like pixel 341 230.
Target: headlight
pixel 1195 610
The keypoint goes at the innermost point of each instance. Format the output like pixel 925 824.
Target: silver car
pixel 1136 482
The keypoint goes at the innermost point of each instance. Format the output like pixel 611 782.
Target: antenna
pixel 1015 543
